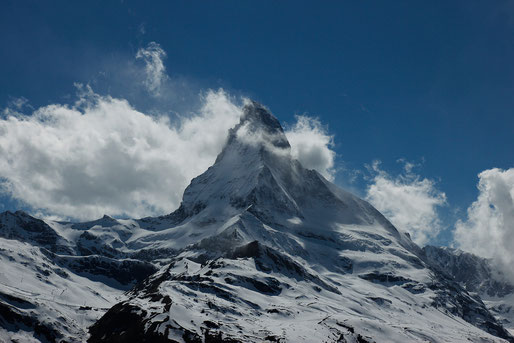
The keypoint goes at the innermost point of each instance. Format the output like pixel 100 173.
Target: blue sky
pixel 430 83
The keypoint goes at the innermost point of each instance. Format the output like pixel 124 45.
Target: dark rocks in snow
pixel 13 320
pixel 475 273
pixel 124 323
pixel 126 272
pixel 384 278
pixel 451 297
pixel 24 228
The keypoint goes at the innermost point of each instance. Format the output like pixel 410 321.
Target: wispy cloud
pixel 409 201
pixel 155 70
pixel 15 105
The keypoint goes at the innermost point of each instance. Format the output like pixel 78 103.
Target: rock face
pixel 477 275
pixel 260 249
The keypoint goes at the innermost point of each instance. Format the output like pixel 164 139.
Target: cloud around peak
pixel 101 155
pixel 409 201
pixel 312 145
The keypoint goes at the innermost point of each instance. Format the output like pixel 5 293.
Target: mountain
pixel 477 275
pixel 52 287
pixel 260 249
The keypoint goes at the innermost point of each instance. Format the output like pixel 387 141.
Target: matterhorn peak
pixel 258 238
pixel 258 128
pixel 255 160
pixel 259 117
pixel 255 172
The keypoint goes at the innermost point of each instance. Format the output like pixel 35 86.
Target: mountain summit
pixel 255 173
pixel 260 249
pixel 257 120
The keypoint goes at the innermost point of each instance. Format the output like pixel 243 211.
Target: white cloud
pixel 103 156
pixel 155 70
pixel 257 137
pixel 408 201
pixel 312 145
pixel 488 230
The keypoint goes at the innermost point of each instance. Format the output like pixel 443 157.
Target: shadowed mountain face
pixel 478 275
pixel 475 273
pixel 262 249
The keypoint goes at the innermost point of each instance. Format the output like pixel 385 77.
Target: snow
pixel 260 248
pixel 57 296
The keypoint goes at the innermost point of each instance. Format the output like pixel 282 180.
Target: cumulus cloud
pixel 101 155
pixel 408 201
pixel 155 70
pixel 488 230
pixel 312 145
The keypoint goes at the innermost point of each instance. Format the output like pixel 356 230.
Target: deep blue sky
pixel 414 80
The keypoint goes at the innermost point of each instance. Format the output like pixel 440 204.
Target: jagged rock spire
pixel 258 128
pixel 258 117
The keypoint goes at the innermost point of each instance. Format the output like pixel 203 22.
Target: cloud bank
pixel 488 230
pixel 103 156
pixel 408 201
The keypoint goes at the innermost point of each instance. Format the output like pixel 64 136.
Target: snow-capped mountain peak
pixel 258 120
pixel 260 249
pixel 255 174
pixel 255 159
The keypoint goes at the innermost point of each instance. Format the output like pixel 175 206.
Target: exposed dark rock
pixel 12 319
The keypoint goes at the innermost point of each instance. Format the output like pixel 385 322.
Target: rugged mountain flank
pixel 479 276
pixel 260 249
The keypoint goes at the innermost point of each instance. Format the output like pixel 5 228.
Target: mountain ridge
pixel 260 249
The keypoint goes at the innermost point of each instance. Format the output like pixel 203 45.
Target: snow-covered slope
pixel 480 276
pixel 269 250
pixel 49 292
pixel 260 249
pixel 43 301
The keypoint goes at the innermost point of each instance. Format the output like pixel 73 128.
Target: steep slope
pixel 267 250
pixel 51 287
pixel 477 275
pixel 260 249
pixel 42 301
